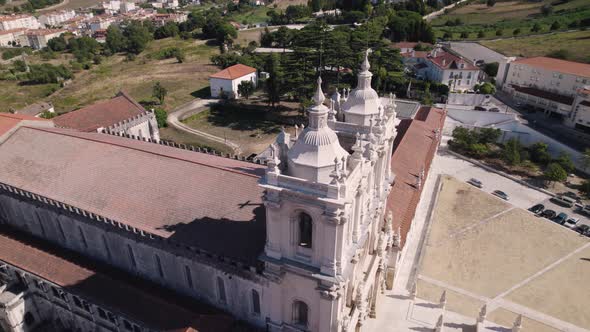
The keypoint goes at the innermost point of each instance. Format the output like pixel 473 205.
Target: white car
pixel 571 223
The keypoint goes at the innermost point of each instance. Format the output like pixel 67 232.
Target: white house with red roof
pixel 225 83
pixel 443 66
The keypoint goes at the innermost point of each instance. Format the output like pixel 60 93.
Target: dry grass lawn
pixel 506 318
pixel 138 77
pixel 561 292
pixel 489 257
pixel 577 43
pixel 485 246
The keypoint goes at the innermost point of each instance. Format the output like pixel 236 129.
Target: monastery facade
pixel 104 233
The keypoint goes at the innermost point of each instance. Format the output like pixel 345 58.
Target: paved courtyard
pixel 483 250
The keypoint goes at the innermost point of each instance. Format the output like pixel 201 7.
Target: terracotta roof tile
pixel 194 199
pixel 558 65
pixel 233 72
pixel 111 289
pixel 9 121
pixel 102 114
pixel 447 60
pixel 414 149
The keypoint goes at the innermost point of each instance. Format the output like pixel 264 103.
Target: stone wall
pixel 182 272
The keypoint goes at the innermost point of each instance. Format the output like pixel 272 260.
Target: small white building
pixel 9 22
pixel 225 82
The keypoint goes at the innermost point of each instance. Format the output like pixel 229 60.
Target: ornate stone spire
pixel 363 101
pixel 312 156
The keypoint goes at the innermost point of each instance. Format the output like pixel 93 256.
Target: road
pixel 441 11
pixel 194 107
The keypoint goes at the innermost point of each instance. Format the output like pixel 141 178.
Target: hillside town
pixel 294 166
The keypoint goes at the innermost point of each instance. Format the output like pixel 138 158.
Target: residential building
pixel 443 66
pixel 579 116
pixel 161 19
pixel 9 38
pixel 100 23
pixel 408 47
pixel 545 83
pixel 139 236
pixel 10 22
pixel 38 38
pixel 54 19
pixel 120 115
pixel 225 83
pixel 127 6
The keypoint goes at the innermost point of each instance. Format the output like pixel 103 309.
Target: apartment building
pixel 56 18
pixel 544 83
pixel 10 22
pixel 38 38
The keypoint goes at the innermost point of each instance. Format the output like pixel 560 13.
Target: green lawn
pixel 15 96
pixel 508 16
pixel 577 43
pixel 254 15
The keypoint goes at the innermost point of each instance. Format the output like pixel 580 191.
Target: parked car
pixel 563 201
pixel 536 209
pixel 572 195
pixel 494 109
pixel 500 194
pixel 585 209
pixel 549 214
pixel 571 223
pixel 479 108
pixel 475 183
pixel 583 229
pixel 561 218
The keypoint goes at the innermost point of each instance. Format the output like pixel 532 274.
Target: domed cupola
pixel 312 156
pixel 363 102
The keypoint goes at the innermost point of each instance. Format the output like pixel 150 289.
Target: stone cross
pixel 414 290
pixel 439 324
pixel 443 300
pixel 482 314
pixel 517 326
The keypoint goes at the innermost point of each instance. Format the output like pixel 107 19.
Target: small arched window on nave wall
pixel 300 313
pixel 305 228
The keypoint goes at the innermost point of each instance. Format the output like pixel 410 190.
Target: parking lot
pixel 518 194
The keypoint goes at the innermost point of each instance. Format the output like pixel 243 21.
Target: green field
pixel 577 43
pixel 510 15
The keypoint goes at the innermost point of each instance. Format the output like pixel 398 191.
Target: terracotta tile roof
pixel 415 54
pixel 446 60
pixel 544 94
pixel 414 149
pixel 43 32
pixel 6 32
pixel 113 290
pixel 190 198
pixel 102 114
pixel 558 65
pixel 233 72
pixel 9 121
pixel 4 18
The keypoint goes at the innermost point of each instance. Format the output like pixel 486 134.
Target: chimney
pixel 444 62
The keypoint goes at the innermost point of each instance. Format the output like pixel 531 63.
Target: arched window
pixel 300 313
pixel 29 319
pixel 305 230
pixel 221 290
pixel 255 302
